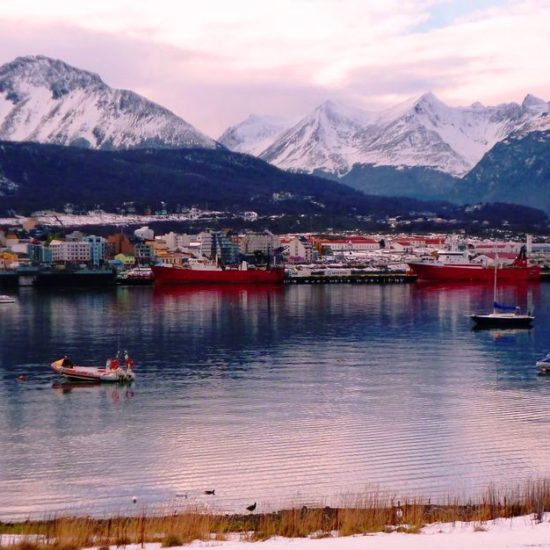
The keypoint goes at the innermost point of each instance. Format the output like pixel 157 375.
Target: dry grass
pixel 357 515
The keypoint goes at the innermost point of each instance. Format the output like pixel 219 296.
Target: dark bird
pixel 211 492
pixel 251 508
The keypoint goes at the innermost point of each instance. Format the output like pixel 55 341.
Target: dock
pixel 375 278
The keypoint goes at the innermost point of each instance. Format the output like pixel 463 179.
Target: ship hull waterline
pixel 181 276
pixel 464 273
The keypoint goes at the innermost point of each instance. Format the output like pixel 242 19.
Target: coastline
pixel 512 519
pixel 511 533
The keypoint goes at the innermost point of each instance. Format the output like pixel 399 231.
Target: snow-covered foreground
pixel 510 534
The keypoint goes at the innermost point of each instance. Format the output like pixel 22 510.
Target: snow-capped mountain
pixel 327 139
pixel 255 134
pixel 47 101
pixel 421 132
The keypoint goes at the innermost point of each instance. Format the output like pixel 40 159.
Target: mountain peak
pixel 535 102
pixel 412 106
pixel 42 71
pixel 328 106
pixel 49 101
pixel 336 111
pixel 429 98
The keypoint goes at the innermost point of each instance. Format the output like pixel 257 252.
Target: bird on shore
pixel 398 513
pixel 210 492
pixel 251 508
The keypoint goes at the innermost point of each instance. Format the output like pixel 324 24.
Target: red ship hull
pixel 181 276
pixel 474 273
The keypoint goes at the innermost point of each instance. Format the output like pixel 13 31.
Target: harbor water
pixel 281 396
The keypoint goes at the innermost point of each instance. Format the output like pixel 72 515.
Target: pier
pixel 375 278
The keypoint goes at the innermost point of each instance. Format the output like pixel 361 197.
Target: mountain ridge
pixel 420 132
pixel 49 101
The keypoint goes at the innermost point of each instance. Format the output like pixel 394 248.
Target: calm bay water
pixel 292 395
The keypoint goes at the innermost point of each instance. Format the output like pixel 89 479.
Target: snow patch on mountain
pixel 47 101
pixel 7 187
pixel 256 133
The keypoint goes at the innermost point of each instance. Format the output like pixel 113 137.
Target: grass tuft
pixel 171 540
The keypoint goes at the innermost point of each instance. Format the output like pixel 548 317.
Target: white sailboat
pixel 502 316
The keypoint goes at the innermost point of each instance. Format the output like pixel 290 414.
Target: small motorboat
pixel 5 299
pixel 544 364
pixel 113 371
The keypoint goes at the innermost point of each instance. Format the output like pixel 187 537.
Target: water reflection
pixel 269 395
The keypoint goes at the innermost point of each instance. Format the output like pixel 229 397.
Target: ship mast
pixel 495 282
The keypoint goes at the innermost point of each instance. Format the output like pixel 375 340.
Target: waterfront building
pixel 178 241
pixel 39 254
pixel 172 258
pixel 264 242
pixel 70 251
pixel 218 245
pixel 349 244
pixel 144 252
pixel 97 249
pixel 125 259
pixel 299 250
pixel 118 244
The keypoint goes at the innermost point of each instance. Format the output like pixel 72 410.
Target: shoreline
pixel 514 533
pixel 368 515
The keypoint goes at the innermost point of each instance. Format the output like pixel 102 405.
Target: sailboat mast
pixel 495 282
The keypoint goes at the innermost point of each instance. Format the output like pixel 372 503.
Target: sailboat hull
pixel 504 320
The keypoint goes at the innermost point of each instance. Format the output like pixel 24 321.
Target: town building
pixel 264 242
pixel 349 244
pixel 298 250
pixel 70 251
pixel 97 249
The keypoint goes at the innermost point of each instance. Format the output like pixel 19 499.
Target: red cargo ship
pixel 454 266
pixel 207 273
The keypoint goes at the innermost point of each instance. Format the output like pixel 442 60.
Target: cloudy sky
pixel 213 62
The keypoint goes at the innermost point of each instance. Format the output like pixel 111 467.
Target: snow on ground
pixel 510 534
pixel 502 534
pixel 106 218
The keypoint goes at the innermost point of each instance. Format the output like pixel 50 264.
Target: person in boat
pixel 67 363
pixel 112 364
pixel 128 361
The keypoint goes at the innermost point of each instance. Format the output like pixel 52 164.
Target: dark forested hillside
pixel 35 176
pixel 516 170
pixel 391 181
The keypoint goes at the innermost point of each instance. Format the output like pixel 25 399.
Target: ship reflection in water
pixel 269 394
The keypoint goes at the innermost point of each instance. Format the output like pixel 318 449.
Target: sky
pixel 214 62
